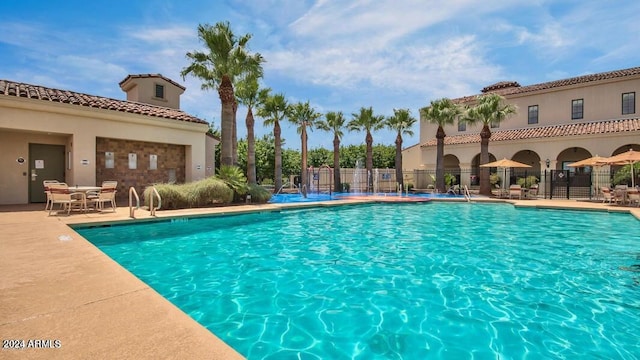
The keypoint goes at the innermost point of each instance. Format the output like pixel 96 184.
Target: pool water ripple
pixel 398 281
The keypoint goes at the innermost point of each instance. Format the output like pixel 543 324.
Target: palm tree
pixel 273 110
pixel 227 58
pixel 366 121
pixel 249 94
pixel 401 122
pixel 490 109
pixel 334 121
pixel 441 112
pixel 303 116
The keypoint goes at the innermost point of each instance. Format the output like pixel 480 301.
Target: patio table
pixel 84 190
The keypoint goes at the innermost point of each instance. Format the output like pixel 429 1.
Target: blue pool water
pixel 311 197
pixel 398 281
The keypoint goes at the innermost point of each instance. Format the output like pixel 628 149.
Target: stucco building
pixel 85 139
pixel 557 122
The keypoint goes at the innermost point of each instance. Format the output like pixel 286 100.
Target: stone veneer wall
pixel 170 158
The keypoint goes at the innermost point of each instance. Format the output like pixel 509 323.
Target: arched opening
pixel 475 169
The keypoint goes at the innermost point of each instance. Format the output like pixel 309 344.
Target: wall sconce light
pixel 548 162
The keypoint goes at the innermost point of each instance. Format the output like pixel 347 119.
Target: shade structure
pixel 504 164
pixel 592 161
pixel 626 158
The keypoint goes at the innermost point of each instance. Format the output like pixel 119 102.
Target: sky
pixel 338 55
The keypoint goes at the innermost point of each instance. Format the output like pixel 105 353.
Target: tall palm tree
pixel 401 122
pixel 441 112
pixel 249 94
pixel 490 109
pixel 365 120
pixel 273 110
pixel 226 58
pixel 334 121
pixel 303 116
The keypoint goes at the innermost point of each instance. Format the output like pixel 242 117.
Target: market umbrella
pixel 595 161
pixel 592 161
pixel 626 158
pixel 504 164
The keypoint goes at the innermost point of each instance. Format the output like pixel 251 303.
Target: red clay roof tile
pixel 11 88
pixel 506 88
pixel 590 128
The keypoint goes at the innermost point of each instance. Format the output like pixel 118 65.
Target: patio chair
pixel 633 195
pixel 533 190
pixel 60 194
pixel 107 194
pixel 607 195
pixel 46 183
pixel 515 190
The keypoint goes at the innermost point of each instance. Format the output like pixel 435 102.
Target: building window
pixel 628 103
pixel 533 114
pixel 495 125
pixel 577 109
pixel 160 91
pixel 462 126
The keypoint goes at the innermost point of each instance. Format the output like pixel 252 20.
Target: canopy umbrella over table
pixel 626 158
pixel 504 164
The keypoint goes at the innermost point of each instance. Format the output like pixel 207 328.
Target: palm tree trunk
pixel 235 133
pixel 399 160
pixel 337 185
pixel 225 91
pixel 277 132
pixel 304 174
pixel 369 140
pixel 440 135
pixel 485 183
pixel 251 149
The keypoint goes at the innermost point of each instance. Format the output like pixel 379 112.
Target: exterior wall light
pixel 548 162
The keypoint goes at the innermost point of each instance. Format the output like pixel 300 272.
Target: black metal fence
pixel 552 184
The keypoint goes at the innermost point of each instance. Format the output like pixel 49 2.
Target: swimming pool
pixel 311 197
pixel 401 281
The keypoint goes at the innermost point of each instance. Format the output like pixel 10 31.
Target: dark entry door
pixel 46 162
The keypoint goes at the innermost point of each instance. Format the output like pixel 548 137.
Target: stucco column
pixel 83 160
pixel 195 162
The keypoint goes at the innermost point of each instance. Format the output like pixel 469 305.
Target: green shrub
pixel 205 192
pixel 495 180
pixel 235 179
pixel 266 182
pixel 449 179
pixel 623 175
pixel 528 181
pixel 259 195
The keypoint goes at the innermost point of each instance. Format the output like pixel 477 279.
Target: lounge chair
pixel 533 190
pixel 60 194
pixel 515 190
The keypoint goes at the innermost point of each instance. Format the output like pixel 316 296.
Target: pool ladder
pixel 467 195
pixel 134 194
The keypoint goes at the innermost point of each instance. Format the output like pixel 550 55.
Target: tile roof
pixel 573 129
pixel 11 88
pixel 506 88
pixel 142 76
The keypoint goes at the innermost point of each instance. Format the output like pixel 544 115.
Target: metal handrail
pixel 132 191
pixel 467 195
pixel 151 208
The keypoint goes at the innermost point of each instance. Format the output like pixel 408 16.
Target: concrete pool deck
pixel 59 289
